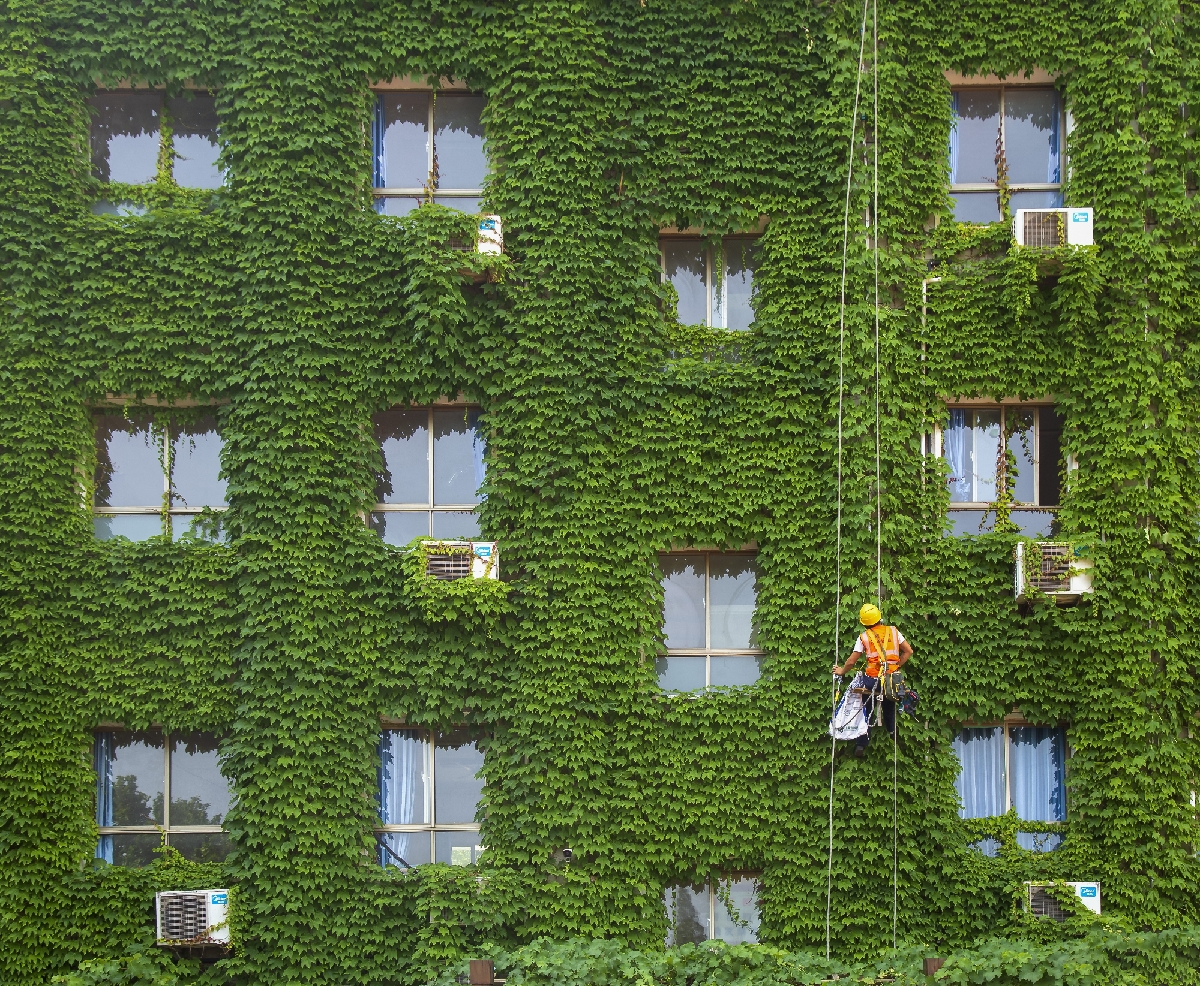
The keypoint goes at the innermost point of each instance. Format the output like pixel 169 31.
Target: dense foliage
pixel 613 433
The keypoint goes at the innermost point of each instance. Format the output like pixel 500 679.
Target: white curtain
pixel 957 444
pixel 980 782
pixel 1037 756
pixel 404 755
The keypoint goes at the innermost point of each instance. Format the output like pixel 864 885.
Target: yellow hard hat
pixel 869 615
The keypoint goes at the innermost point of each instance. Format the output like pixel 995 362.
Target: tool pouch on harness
pixel 894 686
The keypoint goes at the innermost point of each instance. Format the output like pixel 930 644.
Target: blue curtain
pixel 980 783
pixel 956 442
pixel 377 130
pixel 104 793
pixel 1037 758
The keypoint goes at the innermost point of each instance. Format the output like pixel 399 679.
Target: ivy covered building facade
pixel 763 340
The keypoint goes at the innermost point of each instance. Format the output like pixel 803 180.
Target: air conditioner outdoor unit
pixel 192 918
pixel 1055 568
pixel 1053 227
pixel 1043 904
pixel 450 560
pixel 491 235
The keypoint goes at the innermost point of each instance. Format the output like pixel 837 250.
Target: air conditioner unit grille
pixel 449 566
pixel 1042 905
pixel 183 917
pixel 1045 228
pixel 1054 568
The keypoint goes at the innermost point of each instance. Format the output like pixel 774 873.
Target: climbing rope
pixel 837 609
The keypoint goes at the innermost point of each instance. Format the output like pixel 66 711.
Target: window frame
pixel 1063 119
pixel 433 827
pixel 166 509
pixel 939 451
pixel 1006 725
pixel 709 272
pixel 430 507
pixel 711 889
pixel 708 652
pixel 166 143
pixel 430 191
pixel 166 829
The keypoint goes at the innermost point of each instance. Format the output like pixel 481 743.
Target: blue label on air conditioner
pixel 483 550
pixel 1079 217
pixel 220 898
pixel 1087 891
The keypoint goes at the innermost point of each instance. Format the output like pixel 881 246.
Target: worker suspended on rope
pixel 887 652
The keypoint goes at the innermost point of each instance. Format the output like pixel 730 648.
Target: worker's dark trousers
pixel 889 714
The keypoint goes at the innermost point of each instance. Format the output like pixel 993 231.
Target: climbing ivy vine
pixel 613 432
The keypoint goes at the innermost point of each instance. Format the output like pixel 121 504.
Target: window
pixel 708 619
pixel 981 466
pixel 126 137
pixel 699 912
pixel 689 265
pixel 410 168
pixel 1019 125
pixel 153 787
pixel 433 466
pixel 430 792
pixel 1014 765
pixel 150 472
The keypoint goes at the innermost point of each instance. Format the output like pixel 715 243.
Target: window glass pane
pixel 687 914
pixel 976 207
pixel 985 454
pixel 964 522
pixel 455 524
pixel 403 435
pixel 206 528
pixel 1050 427
pixel 457 791
pixel 404 157
pixel 196 465
pixel 1034 200
pixel 400 528
pixel 458 141
pixel 683 600
pixel 956 448
pixel 194 130
pixel 412 847
pixel 731 671
pixel 136 527
pixel 735 311
pixel 731 595
pixel 463 203
pixel 680 674
pixel 404 778
pixel 1034 523
pixel 980 783
pixel 396 205
pixel 976 127
pixel 1039 841
pixel 684 265
pixel 130 848
pixel 125 136
pixel 129 468
pixel 136 772
pixel 457 456
pixel 987 847
pixel 1037 758
pixel 106 208
pixel 1022 481
pixel 1031 135
pixel 200 795
pixel 201 847
pixel 740 925
pixel 457 848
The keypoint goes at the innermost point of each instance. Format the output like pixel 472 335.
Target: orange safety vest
pixel 881 643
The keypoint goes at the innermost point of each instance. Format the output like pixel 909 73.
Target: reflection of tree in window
pixel 131 806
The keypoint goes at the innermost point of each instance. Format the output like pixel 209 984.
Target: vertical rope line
pixel 837 610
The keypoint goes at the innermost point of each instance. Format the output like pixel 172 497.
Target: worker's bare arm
pixel 853 659
pixel 905 654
